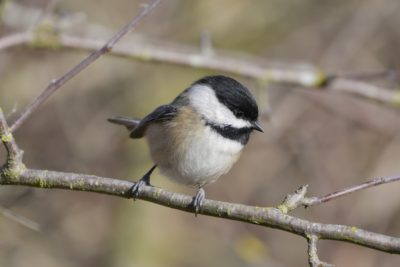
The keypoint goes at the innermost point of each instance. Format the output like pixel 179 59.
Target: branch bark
pixel 299 198
pixel 17 174
pixel 313 258
pixel 264 216
pixel 311 201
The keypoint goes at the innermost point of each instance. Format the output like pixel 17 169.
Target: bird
pixel 199 136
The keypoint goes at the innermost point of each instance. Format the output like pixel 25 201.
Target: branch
pixel 371 75
pixel 56 84
pixel 266 216
pixel 16 39
pixel 313 259
pixel 303 74
pixel 298 198
pixel 364 89
pixel 14 158
pixel 348 190
pixel 20 219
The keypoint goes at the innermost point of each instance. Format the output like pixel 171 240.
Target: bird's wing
pixel 138 128
pixel 162 113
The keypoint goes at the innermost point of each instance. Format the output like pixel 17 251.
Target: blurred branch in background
pixel 307 75
pixel 19 219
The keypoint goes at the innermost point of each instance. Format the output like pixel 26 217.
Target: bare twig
pixel 348 190
pixel 16 39
pixel 313 259
pixel 14 153
pixel 365 89
pixel 368 75
pixel 56 84
pixel 12 168
pixel 292 201
pixel 20 219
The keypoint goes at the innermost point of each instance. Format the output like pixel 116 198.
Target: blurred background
pixel 326 139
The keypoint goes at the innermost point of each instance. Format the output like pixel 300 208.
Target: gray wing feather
pixel 162 113
pixel 129 123
pixel 138 127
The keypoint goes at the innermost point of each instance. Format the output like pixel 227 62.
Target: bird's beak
pixel 256 126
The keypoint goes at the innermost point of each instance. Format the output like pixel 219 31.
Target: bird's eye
pixel 239 113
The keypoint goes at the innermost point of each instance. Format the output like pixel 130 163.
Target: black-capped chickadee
pixel 198 136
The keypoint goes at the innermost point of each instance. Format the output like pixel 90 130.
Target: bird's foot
pixel 198 200
pixel 139 185
pixel 144 181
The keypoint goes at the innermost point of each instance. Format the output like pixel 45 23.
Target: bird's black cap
pixel 233 95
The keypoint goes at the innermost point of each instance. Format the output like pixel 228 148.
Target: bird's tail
pixel 129 123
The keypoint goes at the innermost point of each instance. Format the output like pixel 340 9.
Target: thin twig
pixel 292 201
pixel 368 75
pixel 56 84
pixel 313 258
pixel 14 153
pixel 348 190
pixel 16 39
pixel 20 219
pixel 368 90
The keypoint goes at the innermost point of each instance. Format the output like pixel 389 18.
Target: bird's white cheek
pixel 204 100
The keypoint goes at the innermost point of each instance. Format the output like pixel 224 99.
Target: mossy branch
pixel 263 216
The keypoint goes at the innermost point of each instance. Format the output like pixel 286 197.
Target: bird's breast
pixel 189 151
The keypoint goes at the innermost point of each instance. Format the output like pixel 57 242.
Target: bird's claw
pixel 198 200
pixel 145 180
pixel 136 188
